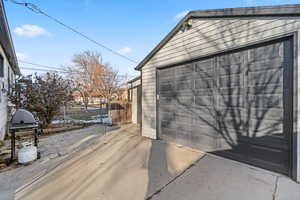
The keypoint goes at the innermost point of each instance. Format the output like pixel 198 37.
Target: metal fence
pixel 117 112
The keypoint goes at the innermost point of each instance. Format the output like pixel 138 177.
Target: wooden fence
pixel 121 112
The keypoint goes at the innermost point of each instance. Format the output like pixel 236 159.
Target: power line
pixel 37 10
pixel 46 68
pixel 43 70
pixel 39 65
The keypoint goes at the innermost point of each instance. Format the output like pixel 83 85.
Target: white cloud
pixel 125 50
pixel 181 15
pixel 21 56
pixel 28 30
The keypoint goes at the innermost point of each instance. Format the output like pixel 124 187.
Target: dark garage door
pixel 232 104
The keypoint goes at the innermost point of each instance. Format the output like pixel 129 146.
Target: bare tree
pixel 107 81
pixel 90 74
pixel 82 73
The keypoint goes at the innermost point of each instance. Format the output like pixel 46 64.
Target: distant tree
pixel 43 95
pixel 81 73
pixel 92 75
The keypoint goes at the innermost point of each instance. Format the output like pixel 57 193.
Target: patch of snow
pixel 96 119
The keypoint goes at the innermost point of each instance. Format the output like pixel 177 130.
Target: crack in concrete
pixel 175 178
pixel 274 195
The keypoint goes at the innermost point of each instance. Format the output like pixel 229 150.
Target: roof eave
pixel 13 61
pixel 170 34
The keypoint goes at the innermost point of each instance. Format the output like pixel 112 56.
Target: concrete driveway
pixel 124 165
pixel 216 178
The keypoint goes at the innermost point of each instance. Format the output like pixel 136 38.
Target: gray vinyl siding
pixel 148 102
pixel 207 36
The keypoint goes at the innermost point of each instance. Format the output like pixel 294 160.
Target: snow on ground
pixel 96 119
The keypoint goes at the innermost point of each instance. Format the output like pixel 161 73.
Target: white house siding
pixel 208 36
pixel 3 97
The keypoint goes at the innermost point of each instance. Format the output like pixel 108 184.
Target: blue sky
pixel 132 27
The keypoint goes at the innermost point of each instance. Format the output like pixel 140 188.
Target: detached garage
pixel 226 82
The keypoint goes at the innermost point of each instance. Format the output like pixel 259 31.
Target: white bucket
pixel 27 153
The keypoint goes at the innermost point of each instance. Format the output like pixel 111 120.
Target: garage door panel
pixel 205 74
pixel 231 81
pixel 184 101
pixel 271 51
pixel 230 69
pixel 204 83
pixel 273 77
pixel 231 101
pixel 201 121
pixel 260 155
pixel 166 124
pixel 261 65
pixel 203 142
pixel 167 116
pixel 166 100
pixel 184 85
pixel 166 74
pixel 232 105
pixel 206 66
pixel 234 124
pixel 204 92
pixel 204 100
pixel 166 87
pixel 264 101
pixel 233 58
pixel 184 71
pixel 268 127
pixel 199 112
pixel 231 91
pixel 260 114
pixel 265 89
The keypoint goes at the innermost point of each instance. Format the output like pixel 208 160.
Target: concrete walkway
pixel 215 178
pixel 55 149
pixel 124 165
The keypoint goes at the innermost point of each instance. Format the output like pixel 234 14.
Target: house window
pixel 1 66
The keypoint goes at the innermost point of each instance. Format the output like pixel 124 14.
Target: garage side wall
pixel 135 101
pixel 206 37
pixel 149 101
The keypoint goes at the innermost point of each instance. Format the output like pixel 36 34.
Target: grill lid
pixel 23 116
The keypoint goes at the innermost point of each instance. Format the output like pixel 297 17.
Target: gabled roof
pixel 6 40
pixel 262 11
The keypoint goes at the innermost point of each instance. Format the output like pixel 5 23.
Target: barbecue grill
pixel 22 120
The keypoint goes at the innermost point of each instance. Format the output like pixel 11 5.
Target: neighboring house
pixel 226 81
pixel 93 98
pixel 135 97
pixel 8 69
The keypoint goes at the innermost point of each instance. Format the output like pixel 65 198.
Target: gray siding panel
pixel 148 102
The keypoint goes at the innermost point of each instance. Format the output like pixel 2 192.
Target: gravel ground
pixel 54 149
